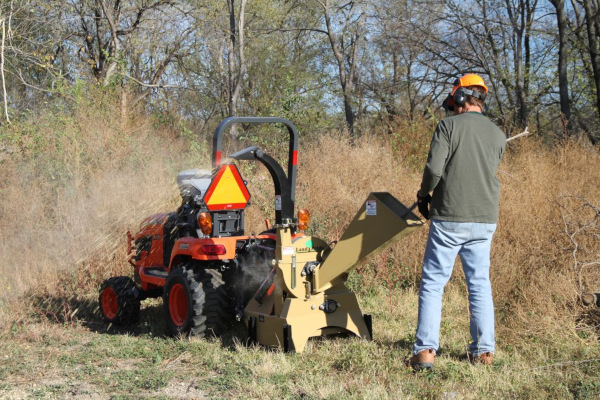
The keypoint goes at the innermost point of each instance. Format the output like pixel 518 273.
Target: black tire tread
pixel 211 310
pixel 127 298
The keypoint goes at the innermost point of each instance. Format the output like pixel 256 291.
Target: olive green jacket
pixel 464 155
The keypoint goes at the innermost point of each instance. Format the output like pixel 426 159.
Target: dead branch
pixel 154 86
pixel 522 134
pixel 5 97
pixel 24 82
pixel 574 227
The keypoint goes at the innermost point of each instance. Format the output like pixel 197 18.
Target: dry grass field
pixel 70 187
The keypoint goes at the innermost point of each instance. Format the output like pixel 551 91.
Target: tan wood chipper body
pixel 309 296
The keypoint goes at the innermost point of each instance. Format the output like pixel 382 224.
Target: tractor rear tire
pixel 196 302
pixel 119 300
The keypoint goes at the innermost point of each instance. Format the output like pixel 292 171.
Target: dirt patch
pixel 184 390
pixel 14 393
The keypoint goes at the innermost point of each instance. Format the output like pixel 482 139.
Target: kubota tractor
pixel 210 272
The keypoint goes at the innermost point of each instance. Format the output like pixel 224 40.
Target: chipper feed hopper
pixel 204 265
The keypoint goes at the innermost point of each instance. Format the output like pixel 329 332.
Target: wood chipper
pixel 285 285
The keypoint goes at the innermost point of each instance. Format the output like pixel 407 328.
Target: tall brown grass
pixel 536 279
pixel 74 186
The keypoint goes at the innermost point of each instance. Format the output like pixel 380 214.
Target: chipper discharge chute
pixel 308 296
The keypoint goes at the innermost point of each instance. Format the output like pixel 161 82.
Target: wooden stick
pixel 524 133
pixel 5 97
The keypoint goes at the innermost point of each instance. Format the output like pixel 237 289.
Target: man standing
pixel 465 152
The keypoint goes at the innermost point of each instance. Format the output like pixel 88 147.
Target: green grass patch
pixel 62 360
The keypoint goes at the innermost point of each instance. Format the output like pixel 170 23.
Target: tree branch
pixel 5 97
pixel 522 134
pixel 152 86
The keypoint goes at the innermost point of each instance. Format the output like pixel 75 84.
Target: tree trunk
pixel 237 72
pixel 4 95
pixel 346 79
pixel 124 107
pixel 232 100
pixel 236 75
pixel 590 16
pixel 517 19
pixel 563 83
pixel 115 46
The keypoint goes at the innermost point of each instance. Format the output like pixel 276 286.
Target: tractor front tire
pixel 119 300
pixel 196 302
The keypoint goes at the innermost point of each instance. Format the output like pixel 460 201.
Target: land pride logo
pixel 309 247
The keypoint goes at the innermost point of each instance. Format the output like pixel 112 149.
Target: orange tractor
pixel 286 285
pixel 199 258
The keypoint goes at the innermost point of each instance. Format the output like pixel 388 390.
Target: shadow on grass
pixel 406 344
pixel 75 310
pixel 78 311
pixel 84 312
pixel 402 344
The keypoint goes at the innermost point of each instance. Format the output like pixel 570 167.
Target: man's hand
pixel 423 204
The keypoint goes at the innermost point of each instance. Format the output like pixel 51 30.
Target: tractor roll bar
pixel 284 214
pixel 217 155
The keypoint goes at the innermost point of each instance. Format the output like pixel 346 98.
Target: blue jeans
pixel 472 241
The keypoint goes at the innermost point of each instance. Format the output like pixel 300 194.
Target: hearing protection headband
pixel 460 96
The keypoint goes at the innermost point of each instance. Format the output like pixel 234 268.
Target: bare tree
pixel 343 26
pixel 382 59
pixel 580 220
pixel 398 74
pixel 2 76
pixel 137 40
pixel 237 66
pixel 582 95
pixel 345 46
pixel 563 81
pixel 105 27
pixel 493 38
pixel 592 24
pixel 520 14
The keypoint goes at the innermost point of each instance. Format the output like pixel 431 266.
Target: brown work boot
pixel 486 358
pixel 422 360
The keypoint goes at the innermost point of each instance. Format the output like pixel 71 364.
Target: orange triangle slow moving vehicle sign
pixel 227 190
